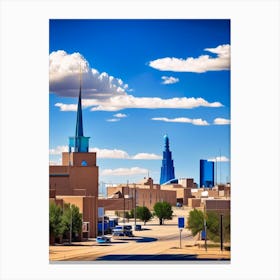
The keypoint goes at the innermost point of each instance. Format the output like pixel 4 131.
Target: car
pixel 103 239
pixel 122 233
pixel 118 233
pixel 128 227
pixel 122 228
pixel 117 228
pixel 138 227
pixel 128 233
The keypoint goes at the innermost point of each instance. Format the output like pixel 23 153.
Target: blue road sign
pixel 181 222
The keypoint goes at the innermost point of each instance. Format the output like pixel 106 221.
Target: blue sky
pixel 143 79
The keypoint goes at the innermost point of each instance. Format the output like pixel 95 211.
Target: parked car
pixel 118 233
pixel 127 227
pixel 117 228
pixel 122 228
pixel 138 227
pixel 103 239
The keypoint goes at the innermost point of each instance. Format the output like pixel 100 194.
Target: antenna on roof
pixel 80 75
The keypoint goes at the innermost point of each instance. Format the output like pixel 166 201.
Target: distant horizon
pixel 143 79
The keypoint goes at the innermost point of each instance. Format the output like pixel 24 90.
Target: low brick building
pixel 146 195
pixel 221 206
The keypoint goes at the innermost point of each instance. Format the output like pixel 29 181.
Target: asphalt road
pixel 154 243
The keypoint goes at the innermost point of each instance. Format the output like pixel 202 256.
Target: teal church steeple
pixel 79 143
pixel 79 122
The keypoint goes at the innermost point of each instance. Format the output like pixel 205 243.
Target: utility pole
pixel 221 231
pixel 220 166
pixel 134 206
pixel 180 238
pixel 216 170
pixel 70 239
pixel 123 209
pixel 205 236
pixel 205 228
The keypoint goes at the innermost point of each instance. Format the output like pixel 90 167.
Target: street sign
pixel 181 222
pixel 100 212
pixel 181 225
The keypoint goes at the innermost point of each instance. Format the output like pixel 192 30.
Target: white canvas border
pixel 254 142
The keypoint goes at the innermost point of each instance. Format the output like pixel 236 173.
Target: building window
pixel 84 163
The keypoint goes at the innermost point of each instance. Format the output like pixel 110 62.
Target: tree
pixel 163 210
pixel 195 221
pixel 214 226
pixel 196 224
pixel 143 213
pixel 56 226
pixel 72 220
pixel 127 216
pixel 77 220
pixel 132 213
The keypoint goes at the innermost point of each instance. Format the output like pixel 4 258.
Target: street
pixel 155 242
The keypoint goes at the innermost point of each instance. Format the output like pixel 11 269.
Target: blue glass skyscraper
pixel 206 173
pixel 167 168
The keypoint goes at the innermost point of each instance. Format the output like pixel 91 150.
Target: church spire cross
pixel 79 122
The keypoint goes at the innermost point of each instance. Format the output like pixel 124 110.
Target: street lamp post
pixel 205 228
pixel 123 208
pixel 221 231
pixel 134 206
pixel 70 239
pixel 205 236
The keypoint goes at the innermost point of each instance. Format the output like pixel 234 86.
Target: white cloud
pixel 117 118
pixel 66 107
pixel 219 159
pixel 64 77
pixel 124 171
pixel 117 103
pixel 113 120
pixel 120 115
pixel 58 150
pixel 183 120
pixel 169 80
pixel 121 102
pixel 221 121
pixel 201 64
pixel 120 154
pixel 101 91
pixel 146 156
pixel 53 162
pixel 107 153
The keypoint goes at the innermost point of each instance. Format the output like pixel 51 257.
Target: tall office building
pixel 167 168
pixel 206 173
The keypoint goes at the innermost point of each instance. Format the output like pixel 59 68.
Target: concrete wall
pixel 84 178
pixel 75 159
pixel 67 180
pixel 116 204
pixel 218 205
pixel 194 202
pixel 144 197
